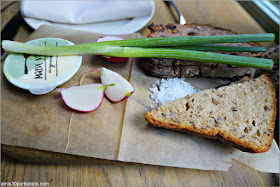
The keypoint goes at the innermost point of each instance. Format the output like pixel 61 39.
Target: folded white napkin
pixel 94 16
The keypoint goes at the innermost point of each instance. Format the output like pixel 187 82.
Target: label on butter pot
pixel 41 74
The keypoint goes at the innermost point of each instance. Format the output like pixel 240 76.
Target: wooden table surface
pixel 97 172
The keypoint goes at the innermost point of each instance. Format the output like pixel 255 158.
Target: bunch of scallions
pixel 186 47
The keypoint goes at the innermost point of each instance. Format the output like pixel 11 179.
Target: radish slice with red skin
pixel 116 59
pixel 122 89
pixel 85 98
pixel 110 58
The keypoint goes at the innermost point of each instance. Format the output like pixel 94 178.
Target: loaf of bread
pixel 241 114
pixel 162 67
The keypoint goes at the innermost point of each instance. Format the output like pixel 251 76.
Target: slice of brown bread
pixel 162 67
pixel 194 29
pixel 241 114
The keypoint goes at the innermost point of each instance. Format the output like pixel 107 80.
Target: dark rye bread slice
pixel 162 67
pixel 241 114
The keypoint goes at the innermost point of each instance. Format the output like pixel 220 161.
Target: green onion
pixel 226 48
pixel 183 41
pixel 95 48
pixel 191 40
pixel 91 48
pixel 199 56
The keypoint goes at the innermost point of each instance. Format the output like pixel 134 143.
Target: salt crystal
pixel 168 90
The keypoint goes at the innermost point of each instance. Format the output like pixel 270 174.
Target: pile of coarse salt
pixel 170 89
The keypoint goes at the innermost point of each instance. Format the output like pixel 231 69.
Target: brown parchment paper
pixel 142 143
pixel 43 122
pixel 116 131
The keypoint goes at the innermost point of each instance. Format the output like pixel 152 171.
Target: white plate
pixel 127 26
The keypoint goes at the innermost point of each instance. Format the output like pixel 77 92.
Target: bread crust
pixel 216 134
pixel 274 109
pixel 164 67
pixel 167 30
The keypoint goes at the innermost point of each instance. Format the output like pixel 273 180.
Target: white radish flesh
pixel 122 88
pixel 84 98
pixel 109 38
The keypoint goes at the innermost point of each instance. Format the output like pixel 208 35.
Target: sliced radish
pixel 110 58
pixel 122 89
pixel 116 59
pixel 109 38
pixel 84 98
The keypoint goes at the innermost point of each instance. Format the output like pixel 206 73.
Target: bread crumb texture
pixel 241 114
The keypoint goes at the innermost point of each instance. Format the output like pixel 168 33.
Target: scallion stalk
pixel 95 48
pixel 191 40
pixel 117 51
pixel 198 56
pixel 18 47
pixel 226 48
pixel 179 41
